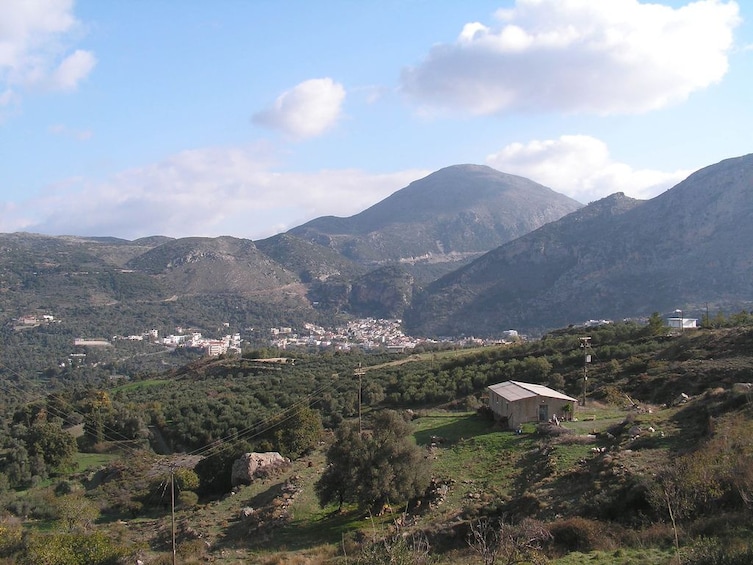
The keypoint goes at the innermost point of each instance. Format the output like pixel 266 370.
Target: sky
pixel 247 118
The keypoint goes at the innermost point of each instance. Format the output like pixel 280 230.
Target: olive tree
pixel 381 465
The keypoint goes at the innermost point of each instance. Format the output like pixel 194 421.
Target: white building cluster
pixel 210 346
pixel 192 339
pixel 367 333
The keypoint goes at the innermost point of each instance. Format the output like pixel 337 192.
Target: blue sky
pixel 247 118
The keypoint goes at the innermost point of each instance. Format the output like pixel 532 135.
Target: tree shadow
pixel 455 430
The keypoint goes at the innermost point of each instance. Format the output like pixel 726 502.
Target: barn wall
pixel 526 409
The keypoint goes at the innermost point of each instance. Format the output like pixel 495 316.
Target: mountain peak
pixel 459 209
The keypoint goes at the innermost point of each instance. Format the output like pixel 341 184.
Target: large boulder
pixel 252 465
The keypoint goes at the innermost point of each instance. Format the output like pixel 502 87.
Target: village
pixel 363 333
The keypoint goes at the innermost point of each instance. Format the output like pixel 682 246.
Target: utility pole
pixel 359 372
pixel 585 345
pixel 172 508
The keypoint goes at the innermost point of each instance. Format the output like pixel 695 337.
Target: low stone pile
pixel 263 520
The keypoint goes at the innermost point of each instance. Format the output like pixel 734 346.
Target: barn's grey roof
pixel 515 390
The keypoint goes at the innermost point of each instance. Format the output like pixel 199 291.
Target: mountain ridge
pixel 614 258
pixel 461 209
pixel 687 248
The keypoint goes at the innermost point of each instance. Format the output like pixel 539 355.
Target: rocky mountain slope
pixel 452 214
pixel 222 265
pixel 687 248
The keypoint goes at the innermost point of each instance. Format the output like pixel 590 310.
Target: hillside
pixel 223 265
pixel 616 258
pixel 599 485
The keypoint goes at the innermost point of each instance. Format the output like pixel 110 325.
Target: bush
pixel 706 551
pixel 658 534
pixel 11 533
pixel 552 430
pixel 71 549
pixel 187 499
pixel 581 534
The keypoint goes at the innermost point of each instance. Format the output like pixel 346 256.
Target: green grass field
pixel 89 461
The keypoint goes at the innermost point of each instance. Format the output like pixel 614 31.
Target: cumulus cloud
pixel 209 192
pixel 307 110
pixel 606 57
pixel 581 167
pixel 33 47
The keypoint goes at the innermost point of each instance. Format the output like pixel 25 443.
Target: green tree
pixel 656 325
pixel 71 549
pixel 186 479
pixel 536 369
pixel 340 480
pixel 380 466
pixel 17 465
pixel 299 433
pixel 51 446
pixel 75 512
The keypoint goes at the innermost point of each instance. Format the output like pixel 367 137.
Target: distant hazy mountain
pixel 686 249
pixel 453 214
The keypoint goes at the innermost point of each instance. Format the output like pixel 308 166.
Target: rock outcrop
pixel 253 465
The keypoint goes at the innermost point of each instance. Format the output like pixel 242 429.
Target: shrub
pixel 71 549
pixel 11 533
pixel 581 534
pixel 707 551
pixel 187 499
pixel 658 534
pixel 552 430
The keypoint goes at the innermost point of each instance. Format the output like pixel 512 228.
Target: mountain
pixel 454 214
pixel 688 248
pixel 309 261
pixel 105 285
pixel 44 272
pixel 221 265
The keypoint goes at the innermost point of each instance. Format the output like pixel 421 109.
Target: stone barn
pixel 515 403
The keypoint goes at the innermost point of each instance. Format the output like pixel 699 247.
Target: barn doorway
pixel 543 412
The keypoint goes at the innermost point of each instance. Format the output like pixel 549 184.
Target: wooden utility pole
pixel 585 345
pixel 172 509
pixel 359 372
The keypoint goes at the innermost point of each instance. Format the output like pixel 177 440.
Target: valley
pixel 391 453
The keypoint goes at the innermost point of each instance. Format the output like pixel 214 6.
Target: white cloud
pixel 602 57
pixel 33 46
pixel 207 192
pixel 72 70
pixel 580 167
pixel 307 110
